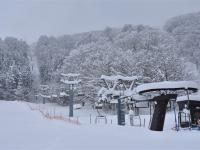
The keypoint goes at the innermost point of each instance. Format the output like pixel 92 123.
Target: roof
pixel 167 85
pixel 114 101
pixel 63 94
pixel 70 75
pixel 192 97
pixel 54 95
pixel 44 87
pixel 45 96
pixel 70 82
pixel 138 97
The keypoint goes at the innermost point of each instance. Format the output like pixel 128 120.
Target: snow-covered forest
pixel 99 74
pixel 171 53
pixel 15 69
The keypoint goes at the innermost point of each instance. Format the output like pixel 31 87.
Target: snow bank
pixel 23 129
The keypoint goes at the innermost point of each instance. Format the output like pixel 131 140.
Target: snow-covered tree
pixel 186 30
pixel 14 68
pixel 131 50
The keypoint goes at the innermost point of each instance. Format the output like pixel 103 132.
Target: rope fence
pixel 53 116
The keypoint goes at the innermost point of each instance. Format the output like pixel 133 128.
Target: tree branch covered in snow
pixel 15 71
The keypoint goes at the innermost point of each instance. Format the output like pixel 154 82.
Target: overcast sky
pixel 28 19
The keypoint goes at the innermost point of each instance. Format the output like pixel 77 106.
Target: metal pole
pixel 188 105
pixel 90 119
pixel 150 114
pixel 119 112
pixel 176 125
pixel 71 101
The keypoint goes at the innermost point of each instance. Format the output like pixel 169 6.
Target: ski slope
pixel 23 129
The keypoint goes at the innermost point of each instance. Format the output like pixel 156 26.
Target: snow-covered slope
pixel 23 129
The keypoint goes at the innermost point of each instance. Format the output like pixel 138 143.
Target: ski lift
pixel 157 121
pixel 184 119
pixel 77 106
pixel 98 105
pixel 189 111
pixel 116 85
pixel 81 94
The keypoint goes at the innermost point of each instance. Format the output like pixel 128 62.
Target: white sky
pixel 28 19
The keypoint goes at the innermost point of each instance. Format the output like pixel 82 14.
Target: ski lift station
pixel 189 110
pixel 119 94
pixel 156 97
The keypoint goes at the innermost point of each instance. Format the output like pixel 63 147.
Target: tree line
pixel 171 53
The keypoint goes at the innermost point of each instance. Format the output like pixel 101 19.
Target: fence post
pixel 90 119
pixel 54 112
pixel 77 120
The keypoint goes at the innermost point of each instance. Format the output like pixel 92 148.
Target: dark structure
pixel 157 122
pixel 71 101
pixel 161 101
pixel 70 80
pixel 121 112
pixel 44 92
pixel 192 118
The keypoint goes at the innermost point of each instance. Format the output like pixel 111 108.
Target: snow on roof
pixel 167 85
pixel 98 104
pixel 44 86
pixel 101 91
pixel 70 75
pixel 114 101
pixel 77 106
pixel 70 82
pixel 118 77
pixel 135 97
pixel 54 95
pixel 63 94
pixel 192 97
pixel 138 97
pixel 113 92
pixel 127 93
pixel 45 96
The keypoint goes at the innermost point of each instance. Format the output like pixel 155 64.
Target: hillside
pixel 131 50
pixel 25 129
pixel 186 30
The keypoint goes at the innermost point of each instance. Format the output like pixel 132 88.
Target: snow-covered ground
pixel 24 129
